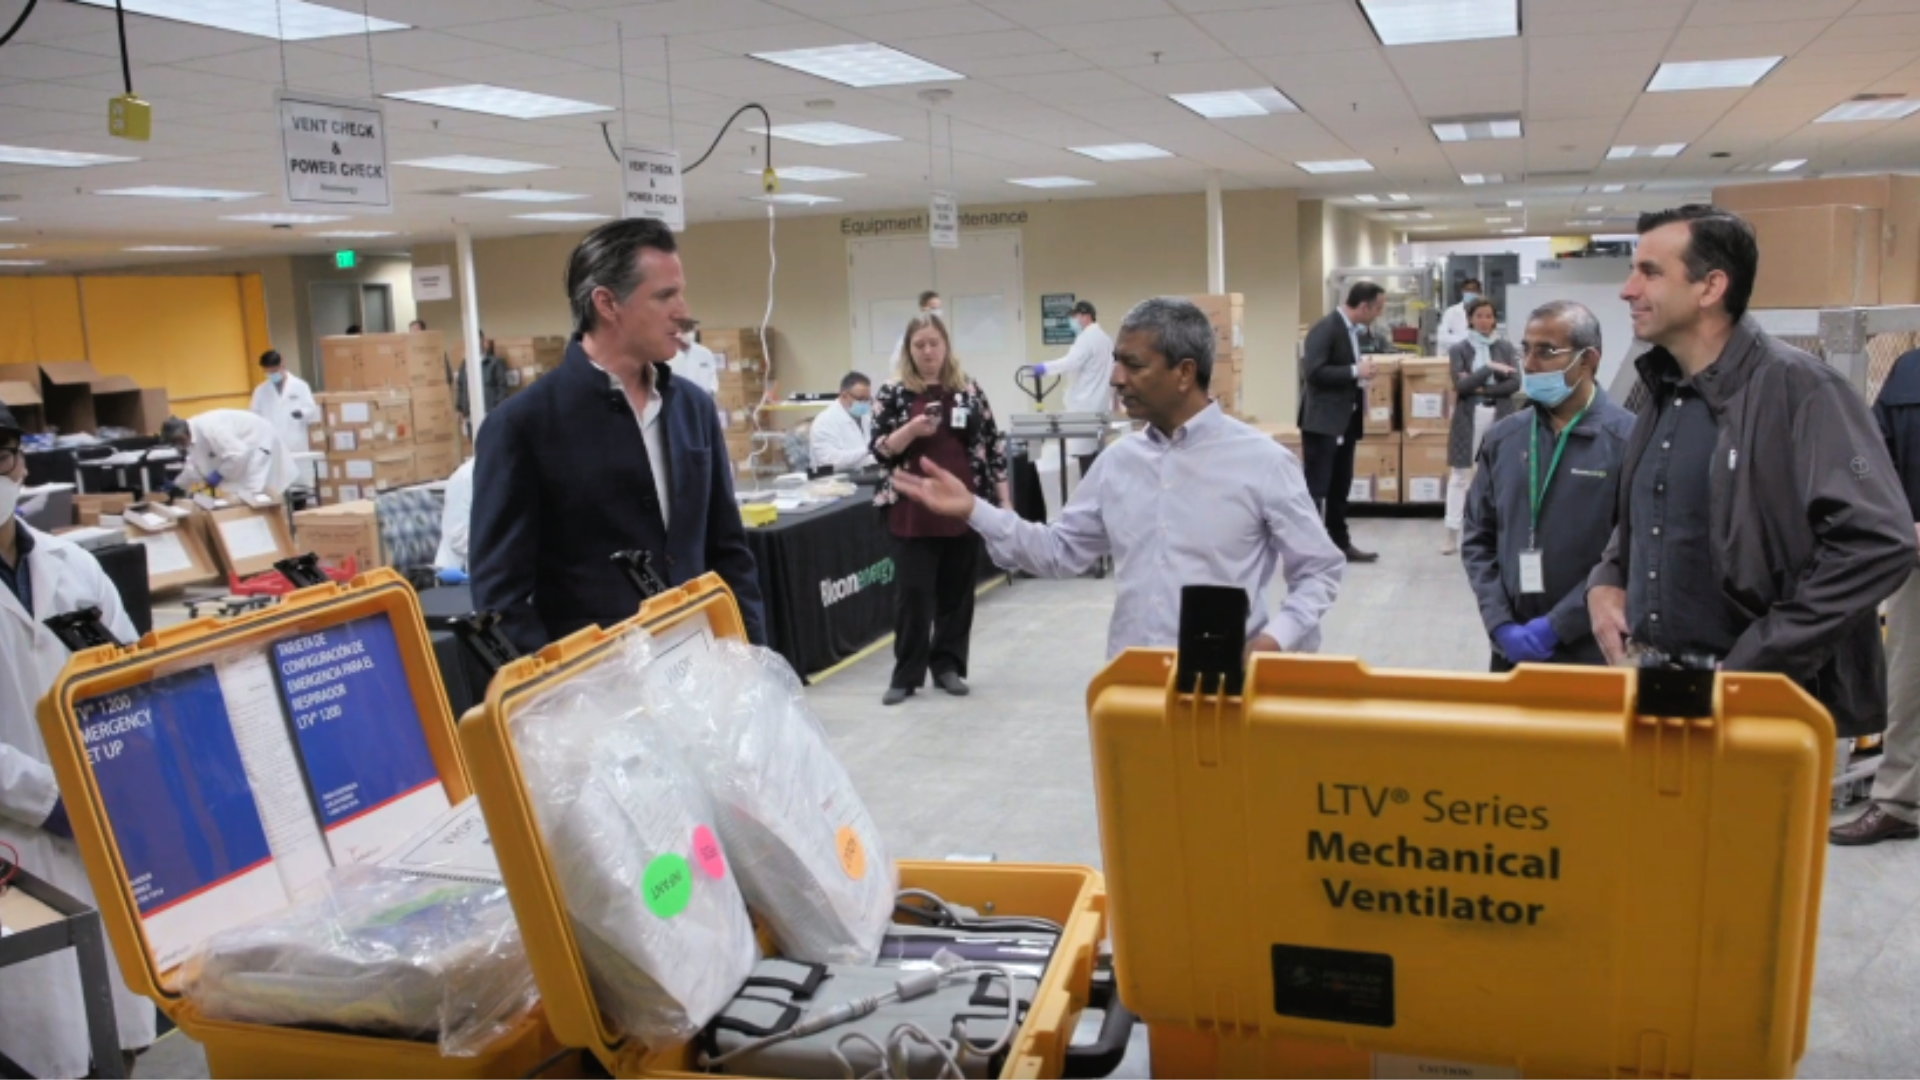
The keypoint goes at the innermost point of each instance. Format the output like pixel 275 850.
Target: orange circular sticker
pixel 853 854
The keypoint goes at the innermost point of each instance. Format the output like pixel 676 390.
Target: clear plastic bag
pixel 375 952
pixel 661 925
pixel 811 861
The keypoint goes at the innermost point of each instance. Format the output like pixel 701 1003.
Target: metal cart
pixel 37 919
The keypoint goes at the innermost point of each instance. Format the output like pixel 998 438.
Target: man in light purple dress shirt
pixel 1198 498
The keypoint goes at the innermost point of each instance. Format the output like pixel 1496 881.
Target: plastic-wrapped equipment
pixel 809 857
pixel 375 952
pixel 661 924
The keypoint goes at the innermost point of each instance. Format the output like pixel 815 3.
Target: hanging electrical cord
pixel 126 63
pixel 764 118
pixel 19 22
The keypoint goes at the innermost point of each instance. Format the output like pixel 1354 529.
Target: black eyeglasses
pixel 10 458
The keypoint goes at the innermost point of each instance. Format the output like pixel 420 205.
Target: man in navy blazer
pixel 609 452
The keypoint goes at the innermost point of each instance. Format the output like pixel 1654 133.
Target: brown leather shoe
pixel 1872 827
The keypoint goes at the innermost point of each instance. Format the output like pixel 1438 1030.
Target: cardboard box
pixel 340 364
pixel 89 509
pixel 1383 397
pixel 1896 197
pixel 434 420
pixel 250 540
pixel 66 392
pixel 737 350
pixel 367 472
pixel 1227 313
pixel 536 354
pixel 1423 468
pixel 362 421
pixel 1426 395
pixel 739 390
pixel 176 555
pixel 24 401
pixel 338 533
pixel 1833 257
pixel 120 402
pixel 435 460
pixel 1376 470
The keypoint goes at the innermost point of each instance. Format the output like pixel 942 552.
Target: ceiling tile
pixel 1601 19
pixel 47 62
pixel 544 32
pixel 1045 13
pixel 1289 29
pixel 1750 39
pixel 925 23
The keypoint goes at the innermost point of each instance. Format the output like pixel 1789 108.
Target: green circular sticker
pixel 667 886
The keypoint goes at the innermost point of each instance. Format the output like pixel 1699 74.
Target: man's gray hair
pixel 1180 331
pixel 1583 330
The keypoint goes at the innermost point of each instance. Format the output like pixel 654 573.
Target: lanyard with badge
pixel 1533 574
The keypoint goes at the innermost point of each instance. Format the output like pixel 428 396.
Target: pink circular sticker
pixel 706 852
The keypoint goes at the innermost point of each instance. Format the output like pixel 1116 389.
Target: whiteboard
pixel 1617 342
pixel 981 286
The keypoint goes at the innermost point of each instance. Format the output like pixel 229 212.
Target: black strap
pixel 801 989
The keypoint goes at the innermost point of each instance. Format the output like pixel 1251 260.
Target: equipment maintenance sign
pixel 653 186
pixel 333 152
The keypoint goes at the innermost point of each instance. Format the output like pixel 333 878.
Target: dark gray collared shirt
pixel 18 578
pixel 1674 602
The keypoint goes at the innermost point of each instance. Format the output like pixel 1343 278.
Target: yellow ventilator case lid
pixel 691 617
pixel 1521 872
pixel 110 673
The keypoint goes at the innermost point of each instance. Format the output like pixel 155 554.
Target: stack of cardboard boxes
pixel 388 417
pixel 1855 240
pixel 350 530
pixel 1227 313
pixel 528 358
pixel 1402 457
pixel 740 362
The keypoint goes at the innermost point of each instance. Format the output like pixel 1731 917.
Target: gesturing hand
pixel 939 491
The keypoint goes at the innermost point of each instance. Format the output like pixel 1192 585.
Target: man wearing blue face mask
pixel 841 436
pixel 286 401
pixel 1541 507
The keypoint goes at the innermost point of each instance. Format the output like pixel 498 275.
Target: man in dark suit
pixel 1333 407
pixel 609 452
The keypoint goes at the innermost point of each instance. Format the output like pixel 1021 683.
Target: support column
pixel 470 327
pixel 1216 238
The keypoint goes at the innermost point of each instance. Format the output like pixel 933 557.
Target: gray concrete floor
pixel 936 773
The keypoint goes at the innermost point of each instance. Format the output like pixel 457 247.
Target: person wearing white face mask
pixel 1486 375
pixel 43 1026
pixel 696 363
pixel 286 401
pixel 1454 322
pixel 841 437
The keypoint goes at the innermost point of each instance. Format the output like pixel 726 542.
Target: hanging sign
pixel 433 283
pixel 943 220
pixel 653 186
pixel 333 152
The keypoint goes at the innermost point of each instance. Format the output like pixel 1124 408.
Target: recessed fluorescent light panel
pixel 1711 74
pixel 205 194
pixel 1499 221
pixel 1122 152
pixel 1786 166
pixel 1474 179
pixel 862 65
pixel 11 247
pixel 9 219
pixel 524 195
pixel 787 198
pixel 1512 232
pixel 1397 197
pixel 1854 111
pixel 1234 104
pixel 285 219
pixel 1476 129
pixel 1515 204
pixel 278 20
pixel 1596 209
pixel 808 173
pixel 826 134
pixel 1665 150
pixel 497 101
pixel 1344 165
pixel 156 249
pixel 470 164
pixel 1423 22
pixel 1051 181
pixel 1366 198
pixel 56 159
pixel 1585 223
pixel 1612 189
pixel 560 215
pixel 23 262
pixel 353 234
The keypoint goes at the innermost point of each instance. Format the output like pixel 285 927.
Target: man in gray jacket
pixel 1760 521
pixel 1541 507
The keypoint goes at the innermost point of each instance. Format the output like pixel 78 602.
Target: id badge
pixel 959 417
pixel 1533 574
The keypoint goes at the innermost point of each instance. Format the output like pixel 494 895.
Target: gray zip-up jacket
pixel 1810 527
pixel 1576 520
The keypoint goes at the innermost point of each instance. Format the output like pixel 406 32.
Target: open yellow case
pixel 349 668
pixel 1333 871
pixel 692 617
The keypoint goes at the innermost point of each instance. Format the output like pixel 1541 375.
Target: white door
pixel 981 286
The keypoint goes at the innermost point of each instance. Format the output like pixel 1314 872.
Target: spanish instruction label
pixel 333 151
pixel 359 733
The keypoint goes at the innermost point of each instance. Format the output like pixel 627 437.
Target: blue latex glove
pixel 57 822
pixel 1040 370
pixel 1528 643
pixel 214 478
pixel 1541 638
pixel 453 577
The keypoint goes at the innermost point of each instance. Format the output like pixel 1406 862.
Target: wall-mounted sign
pixel 901 224
pixel 432 283
pixel 652 188
pixel 333 152
pixel 1056 318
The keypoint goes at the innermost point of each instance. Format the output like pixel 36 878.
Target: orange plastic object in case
pixel 255 1050
pixel 1343 872
pixel 689 617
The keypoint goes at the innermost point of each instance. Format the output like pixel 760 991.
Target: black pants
pixel 936 576
pixel 1329 467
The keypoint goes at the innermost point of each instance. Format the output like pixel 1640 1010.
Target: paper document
pixel 165 553
pixel 456 847
pixel 355 412
pixel 273 770
pixel 249 538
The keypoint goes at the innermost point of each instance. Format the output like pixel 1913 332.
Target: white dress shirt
pixel 1453 328
pixel 456 520
pixel 1218 503
pixel 1088 367
pixel 697 364
pixel 840 439
pixel 655 439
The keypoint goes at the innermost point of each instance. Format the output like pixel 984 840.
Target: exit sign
pixel 345 260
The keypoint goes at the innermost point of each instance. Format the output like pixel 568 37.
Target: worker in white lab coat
pixel 286 401
pixel 696 363
pixel 1454 326
pixel 43 1023
pixel 842 436
pixel 456 521
pixel 1088 369
pixel 231 451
